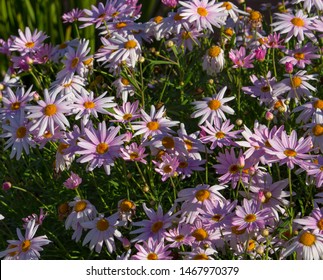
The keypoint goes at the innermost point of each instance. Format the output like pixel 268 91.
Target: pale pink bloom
pixel 170 3
pixel 308 4
pixel 152 250
pixel 313 222
pixel 73 181
pixel 240 59
pixel 72 15
pixel 203 13
pixel 134 152
pixel 167 167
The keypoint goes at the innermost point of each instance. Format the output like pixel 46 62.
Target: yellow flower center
pixel 152 257
pixel 80 206
pixel 290 153
pixel 67 85
pixel 214 104
pixel 307 239
pixel 177 17
pixel 299 56
pixel 88 61
pixel 186 35
pixel 179 238
pixel 297 22
pixel 318 104
pixel 214 51
pixel 15 106
pixel 21 132
pixel 202 11
pixel 249 218
pixel 153 125
pixel 133 155
pixel 183 164
pixel 202 195
pixel 102 224
pixel 158 19
pixel 320 224
pixel 200 257
pixel 125 81
pixel 237 231
pixel 219 135
pixel 296 81
pixel 120 25
pixel 228 31
pixel 216 217
pixel 255 16
pixel 127 117
pixel 50 110
pixel 227 5
pixel 29 45
pixel 167 169
pixel 188 144
pixel 131 44
pixel 89 105
pixel 200 234
pixel 115 14
pixel 75 61
pixel 25 245
pixel 126 205
pixel 278 104
pixel 157 226
pixel 47 135
pixel 62 147
pixel 233 169
pixel 317 130
pixel 251 245
pixel 102 148
pixel 168 142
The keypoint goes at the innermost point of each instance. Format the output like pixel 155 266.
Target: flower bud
pixel 269 116
pixel 239 122
pixel 6 186
pixel 289 67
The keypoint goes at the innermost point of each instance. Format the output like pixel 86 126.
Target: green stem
pixel 274 63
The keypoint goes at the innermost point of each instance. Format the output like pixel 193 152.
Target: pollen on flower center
pixel 317 130
pixel 296 81
pixel 153 125
pixel 50 110
pixel 278 104
pixel 89 105
pixel 177 17
pixel 120 25
pixel 133 155
pixel 299 56
pixel 255 16
pixel 307 239
pixel 202 195
pixel 297 22
pixel 183 164
pixel 216 217
pixel 102 225
pixel 75 61
pixel 200 234
pixel 62 147
pixel 290 153
pixel 80 206
pixel 251 245
pixel 152 256
pixel 201 257
pixel 233 169
pixel 214 104
pixel 125 81
pixel 214 51
pixel 21 132
pixel 158 19
pixel 126 205
pixel 15 106
pixel 25 245
pixel 249 218
pixel 202 11
pixel 318 104
pixel 179 238
pixel 220 135
pixel 29 45
pixel 157 226
pixel 228 31
pixel 102 148
pixel 227 5
pixel 88 61
pixel 167 169
pixel 127 117
pixel 131 44
pixel 168 142
pixel 188 144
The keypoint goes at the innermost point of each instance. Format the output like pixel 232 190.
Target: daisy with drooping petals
pixel 212 107
pixel 28 246
pixel 73 181
pixel 315 170
pixel 49 112
pixel 102 230
pixel 307 245
pixel 213 60
pixel 152 250
pixel 100 147
pixel 296 25
pixel 27 42
pixel 203 13
pixel 240 59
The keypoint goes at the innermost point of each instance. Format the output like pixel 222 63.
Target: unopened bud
pixel 6 186
pixel 211 82
pixel 289 67
pixel 36 96
pixel 239 122
pixel 269 116
pixel 170 44
pixel 260 249
pixel 265 232
pixel 141 59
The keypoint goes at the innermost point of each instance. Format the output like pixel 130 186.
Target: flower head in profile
pixel 72 15
pixel 73 181
pixel 28 246
pixel 212 107
pixel 240 59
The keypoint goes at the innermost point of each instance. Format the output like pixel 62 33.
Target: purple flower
pixel 170 3
pixel 73 181
pixel 167 166
pixel 152 250
pixel 240 59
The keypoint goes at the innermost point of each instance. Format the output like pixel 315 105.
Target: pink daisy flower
pixel 181 235
pixel 240 59
pixel 289 150
pixel 296 25
pixel 203 13
pixel 28 42
pixel 73 181
pixel 315 170
pixel 49 112
pixel 167 167
pixel 134 152
pixel 313 222
pixel 152 250
pixel 100 147
pixel 126 113
pixel 72 15
pixel 212 107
